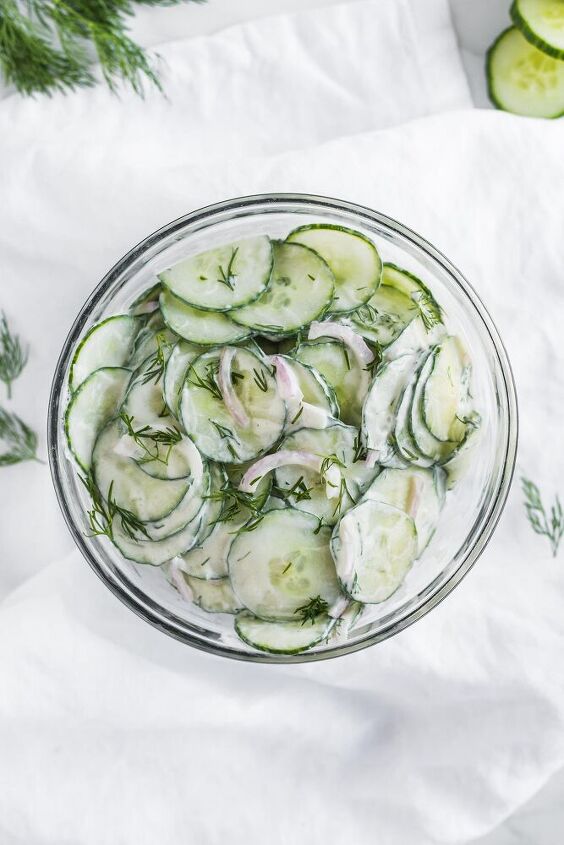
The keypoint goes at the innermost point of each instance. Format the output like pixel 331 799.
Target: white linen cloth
pixel 109 731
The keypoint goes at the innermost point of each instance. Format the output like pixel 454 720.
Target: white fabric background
pixel 112 733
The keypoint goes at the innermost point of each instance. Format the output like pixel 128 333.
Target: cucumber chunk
pixel 339 444
pixel 175 373
pixel 404 440
pixel 207 328
pixel 412 287
pixel 446 390
pixel 418 492
pixel 524 80
pixel 282 637
pixel 91 407
pixel 386 314
pixel 380 406
pixel 341 371
pixel 282 564
pixel 352 257
pixel 374 546
pixel 223 278
pixel 300 291
pixel 542 23
pixel 158 552
pixel 208 421
pixel 426 442
pixel 214 596
pixel 107 344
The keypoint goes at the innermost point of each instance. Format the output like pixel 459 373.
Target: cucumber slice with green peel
pixel 412 287
pixel 352 257
pixel 522 79
pixel 282 565
pixel 445 393
pixel 339 444
pixel 381 403
pixel 418 492
pixel 150 342
pixel 155 553
pixel 149 499
pixel 107 344
pixel 316 395
pixel 208 421
pixel 341 371
pixel 261 491
pixel 374 546
pixel 213 596
pixel 144 400
pixel 175 373
pixel 223 278
pixel 427 444
pixel 403 438
pixel 147 301
pixel 91 407
pixel 206 328
pixel 181 460
pixel 300 291
pixel 282 637
pixel 386 314
pixel 542 23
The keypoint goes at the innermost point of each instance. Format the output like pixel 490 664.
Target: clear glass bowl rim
pixel 143 605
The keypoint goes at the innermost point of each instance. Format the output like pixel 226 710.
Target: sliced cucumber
pixel 175 373
pixel 342 372
pixel 523 79
pixel 352 257
pixel 150 341
pixel 418 492
pixel 412 286
pixel 208 421
pixel 380 406
pixel 223 278
pixel 214 596
pixel 282 637
pixel 94 404
pixel 149 499
pixel 207 328
pixel 339 444
pixel 169 463
pixel 147 301
pixel 318 403
pixel 195 503
pixel 107 344
pixel 374 546
pixel 300 291
pixel 144 399
pixel 158 552
pixel 445 392
pixel 208 560
pixel 386 314
pixel 542 23
pixel 282 564
pixel 404 440
pixel 426 443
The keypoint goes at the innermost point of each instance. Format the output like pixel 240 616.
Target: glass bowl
pixel 472 508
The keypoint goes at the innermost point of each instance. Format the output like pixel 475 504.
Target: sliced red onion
pixel 287 457
pixel 371 459
pixel 286 381
pixel 346 335
pixel 230 398
pixel 414 497
pixel 178 579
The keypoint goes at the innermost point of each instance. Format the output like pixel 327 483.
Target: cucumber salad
pixel 273 424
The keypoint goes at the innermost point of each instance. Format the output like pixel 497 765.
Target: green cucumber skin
pixel 84 340
pixel 531 36
pixel 266 650
pixel 417 281
pixel 490 76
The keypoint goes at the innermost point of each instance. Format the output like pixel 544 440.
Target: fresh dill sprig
pixel 17 441
pixel 299 491
pixel 343 491
pixel 429 309
pixel 310 611
pixel 143 437
pixel 44 45
pixel 235 501
pixel 224 431
pixel 549 526
pixel 359 450
pixel 207 382
pixel 251 525
pixel 298 415
pixel 330 461
pixel 227 277
pixel 102 514
pixel 157 361
pixel 13 357
pixel 260 380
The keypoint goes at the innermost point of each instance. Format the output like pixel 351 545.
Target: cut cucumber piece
pixel 318 403
pixel 107 344
pixel 176 369
pixel 94 404
pixel 374 546
pixel 282 637
pixel 158 552
pixel 170 463
pixel 214 596
pixel 149 499
pixel 342 372
pixel 446 391
pixel 144 400
pixel 223 278
pixel 352 257
pixel 282 564
pixel 194 504
pixel 542 23
pixel 147 301
pixel 207 328
pixel 403 438
pixel 300 291
pixel 208 421
pixel 343 443
pixel 150 342
pixel 427 444
pixel 418 492
pixel 412 287
pixel 380 406
pixel 522 79
pixel 386 314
